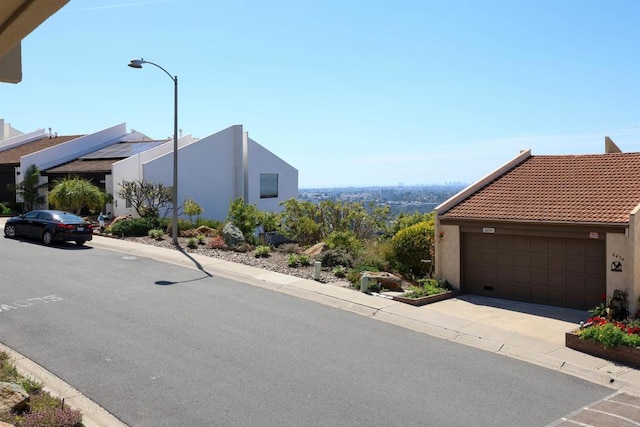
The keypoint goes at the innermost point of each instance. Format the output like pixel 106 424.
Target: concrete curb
pixel 93 415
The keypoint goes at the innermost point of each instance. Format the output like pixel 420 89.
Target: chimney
pixel 610 146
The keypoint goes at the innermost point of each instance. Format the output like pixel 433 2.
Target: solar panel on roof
pixel 121 150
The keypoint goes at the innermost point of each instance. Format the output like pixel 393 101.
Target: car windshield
pixel 67 217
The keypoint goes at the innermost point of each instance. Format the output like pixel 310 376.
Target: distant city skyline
pixel 351 93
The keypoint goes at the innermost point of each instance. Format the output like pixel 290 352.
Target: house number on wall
pixel 616 264
pixel 488 230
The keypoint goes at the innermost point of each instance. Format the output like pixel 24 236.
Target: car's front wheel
pixel 47 238
pixel 10 230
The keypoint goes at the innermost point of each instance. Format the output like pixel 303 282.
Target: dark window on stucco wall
pixel 268 185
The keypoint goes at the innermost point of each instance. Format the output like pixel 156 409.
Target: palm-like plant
pixel 29 189
pixel 73 194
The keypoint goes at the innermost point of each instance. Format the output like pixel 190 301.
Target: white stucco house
pixel 212 171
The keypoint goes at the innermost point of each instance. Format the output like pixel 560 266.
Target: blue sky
pixel 349 92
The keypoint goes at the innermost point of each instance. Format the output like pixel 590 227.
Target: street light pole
pixel 137 63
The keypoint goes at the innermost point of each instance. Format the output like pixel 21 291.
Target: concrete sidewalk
pixel 527 332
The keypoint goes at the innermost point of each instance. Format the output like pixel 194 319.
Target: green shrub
pixel 405 220
pixel 156 233
pixel 269 221
pixel 262 251
pixel 428 287
pixel 293 260
pixel 375 253
pixel 4 209
pixel 608 334
pixel 336 257
pixel 340 271
pixel 304 260
pixel 136 227
pixel 201 239
pixel 344 240
pixel 245 217
pixel 413 249
pixel 192 243
pixel 183 225
pixel 631 340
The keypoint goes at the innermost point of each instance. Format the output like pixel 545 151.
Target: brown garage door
pixel 543 270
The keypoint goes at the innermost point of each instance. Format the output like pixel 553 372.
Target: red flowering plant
pixel 610 324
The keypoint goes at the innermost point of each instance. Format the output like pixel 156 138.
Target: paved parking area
pixel 616 410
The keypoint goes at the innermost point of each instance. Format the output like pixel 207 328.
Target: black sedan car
pixel 49 226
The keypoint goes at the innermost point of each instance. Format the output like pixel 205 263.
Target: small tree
pixel 191 208
pixel 73 194
pixel 146 197
pixel 29 189
pixel 245 217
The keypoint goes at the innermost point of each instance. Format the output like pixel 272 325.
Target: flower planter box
pixel 428 299
pixel 629 356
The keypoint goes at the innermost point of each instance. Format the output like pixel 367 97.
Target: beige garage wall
pixel 634 258
pixel 619 263
pixel 448 253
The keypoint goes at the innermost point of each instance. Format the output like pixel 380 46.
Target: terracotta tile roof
pixel 594 188
pixel 12 155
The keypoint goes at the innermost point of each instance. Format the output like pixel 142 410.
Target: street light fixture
pixel 137 63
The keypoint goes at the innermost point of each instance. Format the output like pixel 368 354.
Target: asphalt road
pixel 161 345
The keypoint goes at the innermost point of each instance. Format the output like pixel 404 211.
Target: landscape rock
pixel 386 280
pixel 121 218
pixel 315 249
pixel 232 235
pixel 207 231
pixel 12 397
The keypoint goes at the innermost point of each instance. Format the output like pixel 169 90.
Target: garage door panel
pixel 576 282
pixel 576 265
pixel 521 260
pixel 557 264
pixel 489 241
pixel 592 299
pixel 595 249
pixel 489 275
pixel 489 257
pixel 539 262
pixel 539 246
pixel 521 244
pixel 539 295
pixel 521 293
pixel 557 296
pixel 547 270
pixel 505 259
pixel 505 275
pixel 539 278
pixel 504 243
pixel 576 300
pixel 576 247
pixel 522 277
pixel 557 280
pixel 557 247
pixel 594 267
pixel 593 284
